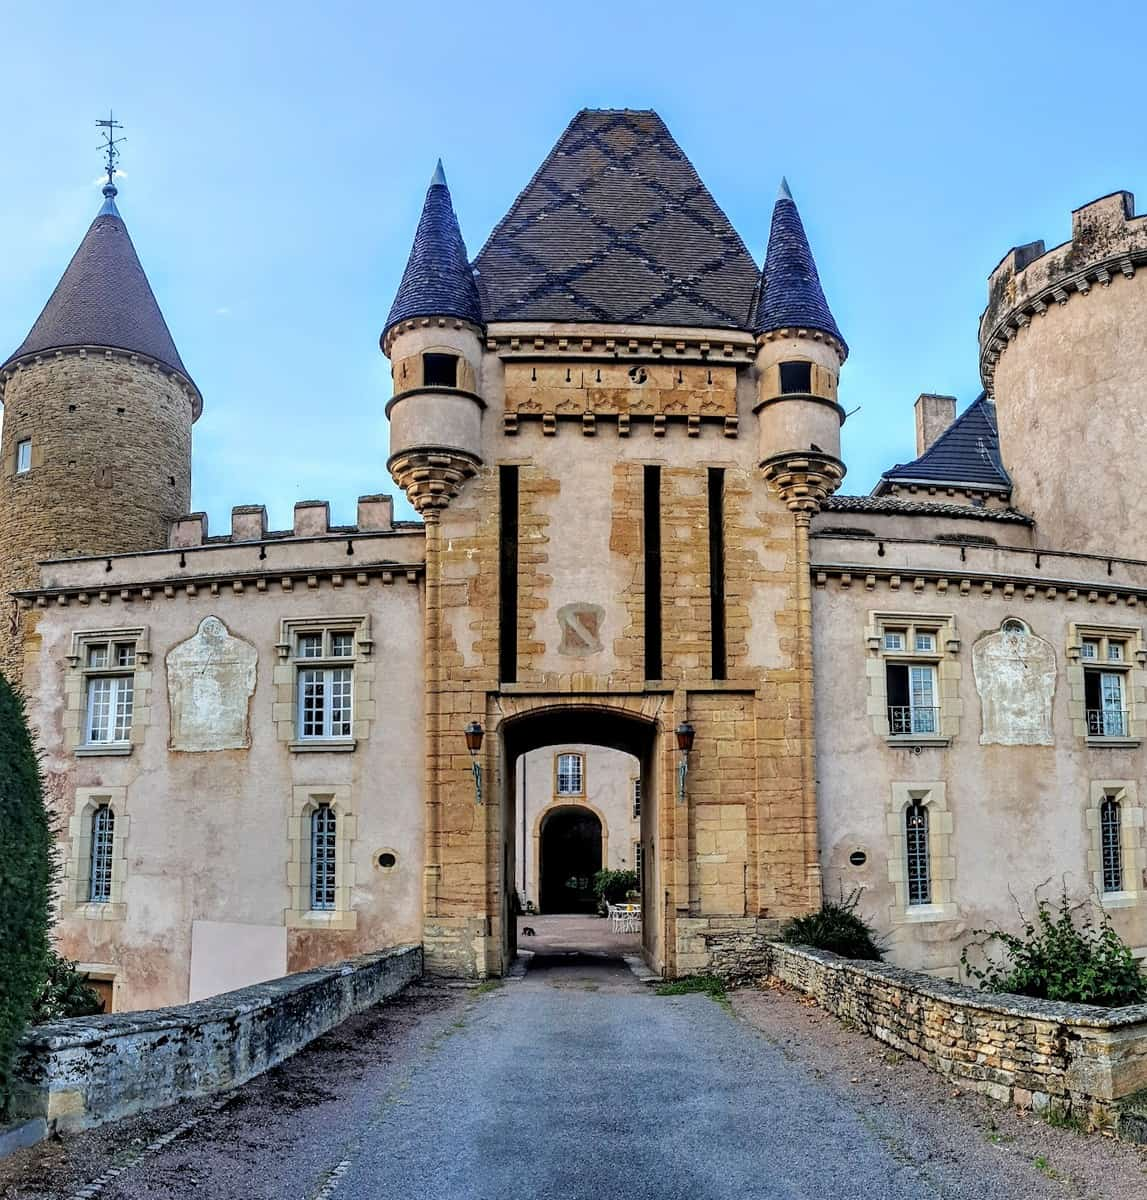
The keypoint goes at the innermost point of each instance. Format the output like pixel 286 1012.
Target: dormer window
pixel 440 370
pixel 796 377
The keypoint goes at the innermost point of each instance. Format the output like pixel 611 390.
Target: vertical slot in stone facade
pixel 717 570
pixel 652 530
pixel 508 576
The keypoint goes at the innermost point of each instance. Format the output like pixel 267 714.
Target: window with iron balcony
pixel 1105 674
pixel 915 654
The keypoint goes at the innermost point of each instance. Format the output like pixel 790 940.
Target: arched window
pixel 103 846
pixel 323 845
pixel 916 834
pixel 1110 830
pixel 569 775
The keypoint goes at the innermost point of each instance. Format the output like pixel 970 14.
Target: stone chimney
pixel 933 416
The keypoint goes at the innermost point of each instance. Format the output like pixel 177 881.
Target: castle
pixel 270 749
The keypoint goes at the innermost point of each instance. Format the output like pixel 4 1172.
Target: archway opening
pixel 579 797
pixel 570 858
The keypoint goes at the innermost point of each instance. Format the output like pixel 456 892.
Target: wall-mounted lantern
pixel 685 734
pixel 474 735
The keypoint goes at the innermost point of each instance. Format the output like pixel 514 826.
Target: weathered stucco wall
pixel 1014 779
pixel 87 1071
pixel 1078 1058
pixel 209 836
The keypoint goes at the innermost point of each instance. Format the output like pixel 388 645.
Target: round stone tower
pixel 799 355
pixel 95 456
pixel 1061 352
pixel 433 338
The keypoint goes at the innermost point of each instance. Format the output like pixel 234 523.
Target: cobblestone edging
pixel 1079 1058
pixel 84 1072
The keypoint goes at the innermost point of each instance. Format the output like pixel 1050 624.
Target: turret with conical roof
pixel 433 336
pixel 95 456
pixel 799 355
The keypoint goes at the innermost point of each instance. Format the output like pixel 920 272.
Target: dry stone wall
pixel 1080 1059
pixel 84 1072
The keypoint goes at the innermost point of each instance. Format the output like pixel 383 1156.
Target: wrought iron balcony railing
pixel 913 720
pixel 1107 722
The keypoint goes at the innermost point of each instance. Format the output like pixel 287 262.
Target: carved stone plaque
pixel 210 681
pixel 1015 677
pixel 581 629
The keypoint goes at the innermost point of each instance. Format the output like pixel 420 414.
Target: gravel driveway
pixel 577 1082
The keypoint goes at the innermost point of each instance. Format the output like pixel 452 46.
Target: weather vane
pixel 110 145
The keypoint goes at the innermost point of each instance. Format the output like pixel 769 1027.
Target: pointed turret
pixel 95 453
pixel 104 301
pixel 433 339
pixel 438 281
pixel 791 296
pixel 799 356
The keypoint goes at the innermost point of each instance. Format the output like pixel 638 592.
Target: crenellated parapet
pixel 1107 241
pixel 312 520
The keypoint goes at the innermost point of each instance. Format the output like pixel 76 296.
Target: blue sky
pixel 278 155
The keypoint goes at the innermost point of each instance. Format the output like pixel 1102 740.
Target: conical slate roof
pixel 104 300
pixel 791 296
pixel 617 227
pixel 437 281
pixel 967 452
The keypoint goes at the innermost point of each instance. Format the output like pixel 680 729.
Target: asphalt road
pixel 578 1082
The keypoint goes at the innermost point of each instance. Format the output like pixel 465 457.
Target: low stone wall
pixel 82 1072
pixel 1079 1058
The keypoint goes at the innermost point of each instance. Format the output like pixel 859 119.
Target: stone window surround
pixel 77 865
pixel 1134 668
pixel 944 658
pixel 583 791
pixel 285 681
pixel 941 865
pixel 305 800
pixel 1126 792
pixel 101 972
pixel 76 691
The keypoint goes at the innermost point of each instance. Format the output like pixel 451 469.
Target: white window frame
pixel 115 675
pixel 332 653
pixel 909 631
pixel 571 755
pixel 23 456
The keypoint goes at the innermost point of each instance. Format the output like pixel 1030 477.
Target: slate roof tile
pixel 924 508
pixel 437 281
pixel 967 452
pixel 616 226
pixel 791 295
pixel 104 299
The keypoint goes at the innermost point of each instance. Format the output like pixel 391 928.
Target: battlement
pixel 1107 240
pixel 312 520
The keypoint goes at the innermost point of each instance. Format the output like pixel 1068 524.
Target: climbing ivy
pixel 27 860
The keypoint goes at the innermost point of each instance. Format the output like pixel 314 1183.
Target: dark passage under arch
pixel 570 857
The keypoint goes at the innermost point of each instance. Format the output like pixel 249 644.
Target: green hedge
pixel 26 869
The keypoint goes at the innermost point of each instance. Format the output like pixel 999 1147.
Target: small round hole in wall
pixel 387 860
pixel 858 858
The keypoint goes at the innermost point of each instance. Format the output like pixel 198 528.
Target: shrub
pixel 611 887
pixel 65 993
pixel 27 860
pixel 1063 954
pixel 836 927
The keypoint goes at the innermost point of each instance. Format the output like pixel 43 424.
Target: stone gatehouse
pixel 273 749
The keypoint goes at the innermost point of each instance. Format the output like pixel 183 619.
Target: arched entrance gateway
pixel 572 838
